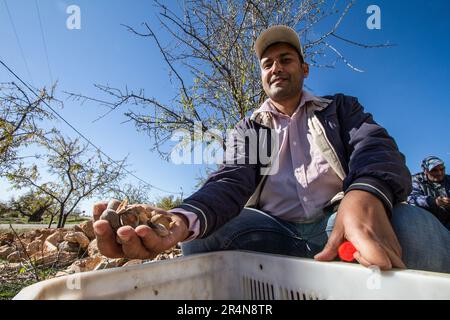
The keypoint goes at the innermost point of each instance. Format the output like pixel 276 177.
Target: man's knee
pixel 195 246
pixel 251 230
pixel 424 240
pixel 410 216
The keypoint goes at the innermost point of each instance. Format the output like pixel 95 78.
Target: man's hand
pixel 443 202
pixel 362 220
pixel 139 243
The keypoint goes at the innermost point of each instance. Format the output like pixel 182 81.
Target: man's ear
pixel 305 68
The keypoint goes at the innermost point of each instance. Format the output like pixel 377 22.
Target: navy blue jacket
pixel 369 156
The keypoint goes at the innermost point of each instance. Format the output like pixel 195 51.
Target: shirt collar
pixel 267 106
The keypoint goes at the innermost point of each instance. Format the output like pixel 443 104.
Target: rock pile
pixel 74 248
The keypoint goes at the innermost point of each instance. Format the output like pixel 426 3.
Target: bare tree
pixel 210 57
pixel 74 174
pixel 19 117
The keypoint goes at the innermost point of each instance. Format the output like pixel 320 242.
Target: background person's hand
pixel 139 243
pixel 446 202
pixel 362 220
pixel 443 202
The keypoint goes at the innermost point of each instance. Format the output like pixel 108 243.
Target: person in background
pixel 431 189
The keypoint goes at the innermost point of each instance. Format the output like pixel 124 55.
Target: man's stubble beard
pixel 279 94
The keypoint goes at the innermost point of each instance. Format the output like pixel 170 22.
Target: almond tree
pixel 73 173
pixel 20 116
pixel 212 64
pixel 33 205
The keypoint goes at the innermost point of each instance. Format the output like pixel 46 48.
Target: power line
pixel 18 42
pixel 82 135
pixel 44 42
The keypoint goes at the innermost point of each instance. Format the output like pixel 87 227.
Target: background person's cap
pixel 275 34
pixel 429 163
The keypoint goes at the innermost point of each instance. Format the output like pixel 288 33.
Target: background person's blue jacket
pixel 359 150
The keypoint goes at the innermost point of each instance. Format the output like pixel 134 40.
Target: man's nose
pixel 277 67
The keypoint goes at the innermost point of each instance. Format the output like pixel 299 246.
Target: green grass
pixel 10 288
pixel 24 220
pixel 78 220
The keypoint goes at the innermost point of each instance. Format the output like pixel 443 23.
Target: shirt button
pixel 294 143
pixel 305 199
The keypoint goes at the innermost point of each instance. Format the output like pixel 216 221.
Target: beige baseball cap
pixel 275 34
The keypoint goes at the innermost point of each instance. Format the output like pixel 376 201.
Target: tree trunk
pixel 51 221
pixel 64 220
pixel 36 216
pixel 60 218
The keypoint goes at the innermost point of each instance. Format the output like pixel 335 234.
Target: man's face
pixel 282 73
pixel 437 174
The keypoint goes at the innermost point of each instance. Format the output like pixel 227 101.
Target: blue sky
pixel 405 87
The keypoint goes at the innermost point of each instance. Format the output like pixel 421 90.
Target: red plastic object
pixel 346 251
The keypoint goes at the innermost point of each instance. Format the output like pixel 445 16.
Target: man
pixel 431 189
pixel 334 174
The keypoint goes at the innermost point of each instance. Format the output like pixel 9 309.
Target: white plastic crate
pixel 243 275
